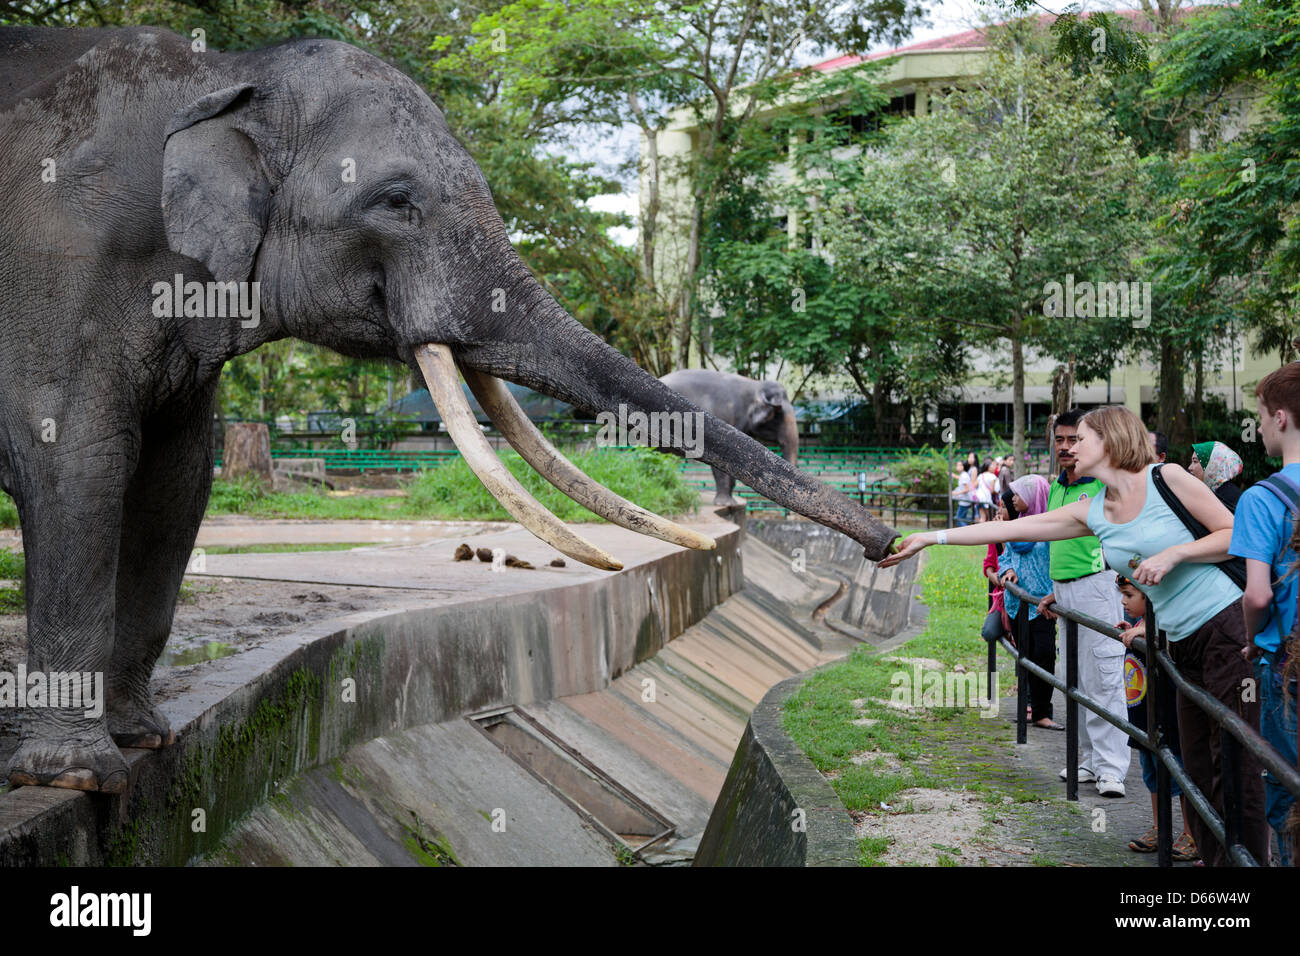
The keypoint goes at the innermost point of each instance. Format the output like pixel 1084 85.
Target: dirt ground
pixel 927 827
pixel 218 617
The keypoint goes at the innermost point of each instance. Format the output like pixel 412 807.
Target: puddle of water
pixel 208 651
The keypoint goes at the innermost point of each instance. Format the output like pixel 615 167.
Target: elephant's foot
pixel 725 501
pixel 139 724
pixel 72 760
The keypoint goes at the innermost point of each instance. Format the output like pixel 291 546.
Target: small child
pixel 1135 685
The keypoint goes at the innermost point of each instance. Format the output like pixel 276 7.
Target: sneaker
pixel 1147 843
pixel 1109 787
pixel 1185 849
pixel 1085 775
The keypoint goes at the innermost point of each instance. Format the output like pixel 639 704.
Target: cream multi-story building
pixel 912 74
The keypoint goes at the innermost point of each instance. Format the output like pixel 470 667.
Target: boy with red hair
pixel 1262 530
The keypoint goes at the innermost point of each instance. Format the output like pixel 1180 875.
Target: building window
pixel 859 123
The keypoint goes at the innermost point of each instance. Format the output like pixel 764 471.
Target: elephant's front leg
pixel 70 503
pixel 165 502
pixel 723 483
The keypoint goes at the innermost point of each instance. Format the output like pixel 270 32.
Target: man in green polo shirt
pixel 1082 582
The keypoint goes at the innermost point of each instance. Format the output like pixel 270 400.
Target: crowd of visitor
pixel 979 486
pixel 1120 526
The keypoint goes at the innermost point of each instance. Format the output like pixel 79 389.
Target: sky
pixel 609 150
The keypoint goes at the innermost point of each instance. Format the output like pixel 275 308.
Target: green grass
pixel 944 748
pixel 8 512
pixel 244 497
pixel 452 491
pixel 13 566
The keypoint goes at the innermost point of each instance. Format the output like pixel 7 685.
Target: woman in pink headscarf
pixel 1027 563
pixel 1032 490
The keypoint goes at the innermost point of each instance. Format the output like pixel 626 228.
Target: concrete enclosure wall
pixel 876 603
pixel 309 702
pixel 775 808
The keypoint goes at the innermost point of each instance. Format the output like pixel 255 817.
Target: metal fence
pixel 878 498
pixel 1162 678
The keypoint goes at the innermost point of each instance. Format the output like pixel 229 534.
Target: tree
pixel 1196 311
pixel 774 298
pixel 1235 205
pixel 1010 200
pixel 605 62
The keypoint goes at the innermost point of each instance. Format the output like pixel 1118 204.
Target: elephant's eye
pixel 393 197
pixel 399 202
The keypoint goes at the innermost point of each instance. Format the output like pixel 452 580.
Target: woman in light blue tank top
pixel 1197 606
pixel 1189 594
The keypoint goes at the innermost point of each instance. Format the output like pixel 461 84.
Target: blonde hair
pixel 1124 438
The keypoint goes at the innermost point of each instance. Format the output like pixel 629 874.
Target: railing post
pixel 993 668
pixel 1230 754
pixel 1071 711
pixel 1156 731
pixel 1022 675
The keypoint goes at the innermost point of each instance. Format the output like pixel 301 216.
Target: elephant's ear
pixel 772 393
pixel 215 190
pixel 767 402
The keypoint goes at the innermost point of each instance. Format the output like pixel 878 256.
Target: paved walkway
pixel 232 530
pixel 238 530
pixel 1092 839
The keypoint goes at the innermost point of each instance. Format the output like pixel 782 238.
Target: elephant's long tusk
pixel 439 370
pixel 533 447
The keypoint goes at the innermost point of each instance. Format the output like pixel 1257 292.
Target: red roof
pixel 974 39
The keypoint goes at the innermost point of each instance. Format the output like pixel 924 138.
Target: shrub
pixel 235 496
pixel 8 512
pixel 924 472
pixel 13 566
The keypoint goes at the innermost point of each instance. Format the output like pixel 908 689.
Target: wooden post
pixel 247 452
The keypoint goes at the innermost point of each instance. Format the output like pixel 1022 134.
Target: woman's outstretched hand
pixel 910 547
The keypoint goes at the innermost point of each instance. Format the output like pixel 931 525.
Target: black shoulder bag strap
pixel 1234 568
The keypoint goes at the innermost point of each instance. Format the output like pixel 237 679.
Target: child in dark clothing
pixel 1135 684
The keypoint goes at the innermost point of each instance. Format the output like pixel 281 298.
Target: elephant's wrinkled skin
pixel 760 409
pixel 233 167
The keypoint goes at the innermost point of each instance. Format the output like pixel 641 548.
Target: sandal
pixel 1185 849
pixel 1049 725
pixel 1146 843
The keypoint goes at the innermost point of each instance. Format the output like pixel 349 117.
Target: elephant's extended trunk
pixel 555 355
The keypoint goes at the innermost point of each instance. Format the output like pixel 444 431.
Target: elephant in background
pixel 760 410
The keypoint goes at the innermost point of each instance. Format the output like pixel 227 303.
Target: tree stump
pixel 247 452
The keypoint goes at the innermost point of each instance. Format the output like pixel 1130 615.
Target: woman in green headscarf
pixel 1216 464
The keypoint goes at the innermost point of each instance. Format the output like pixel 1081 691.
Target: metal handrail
pixel 1239 733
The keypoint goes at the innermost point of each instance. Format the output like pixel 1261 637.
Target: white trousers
pixel 1103 747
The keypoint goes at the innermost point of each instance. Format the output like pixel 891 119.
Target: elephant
pixel 760 410
pixel 168 209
